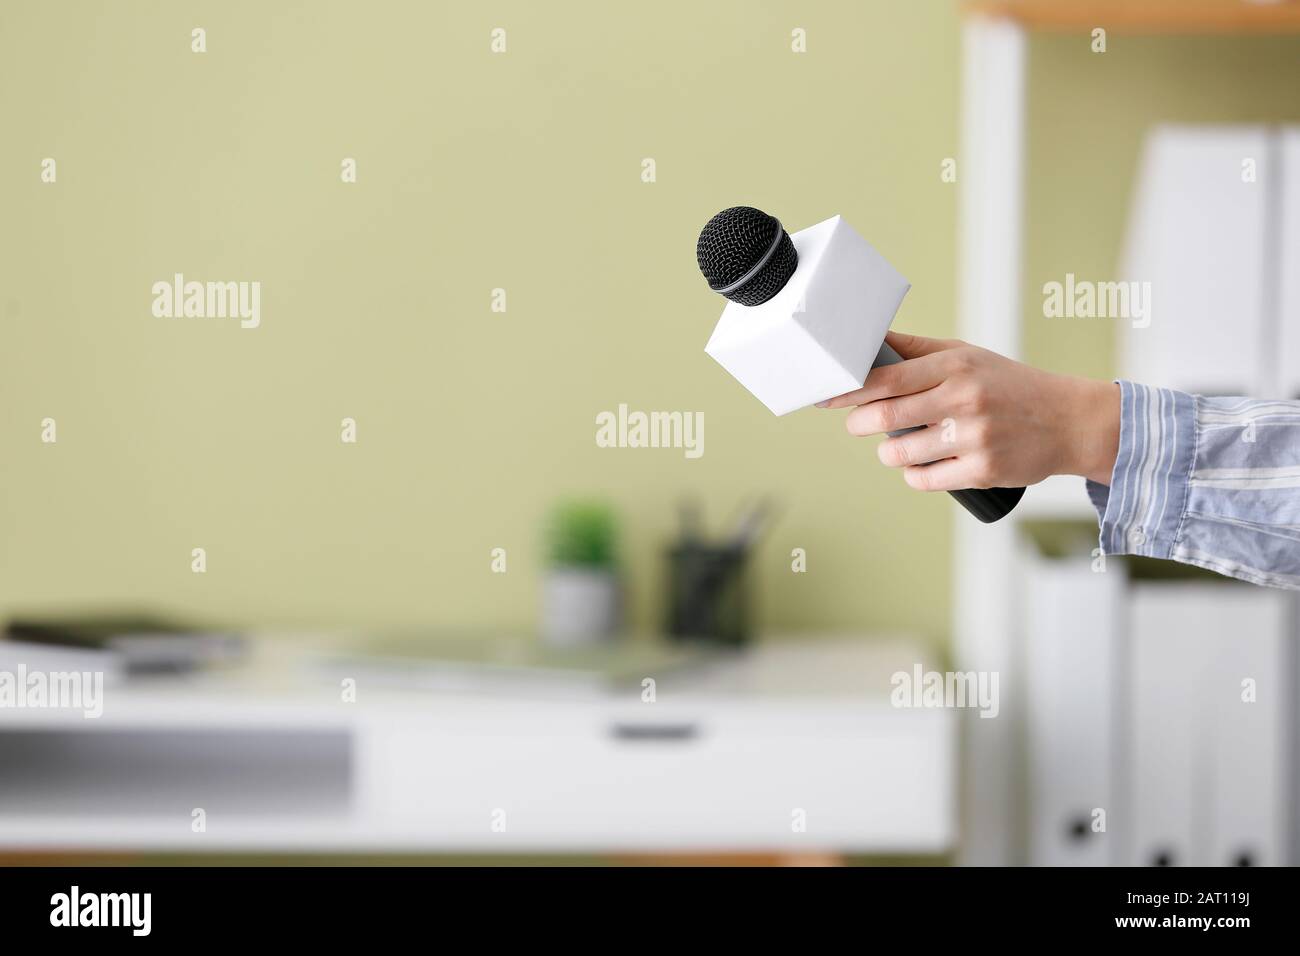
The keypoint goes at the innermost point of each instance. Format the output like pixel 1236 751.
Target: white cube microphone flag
pixel 807 316
pixel 817 337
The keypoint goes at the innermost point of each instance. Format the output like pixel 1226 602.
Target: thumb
pixel 913 346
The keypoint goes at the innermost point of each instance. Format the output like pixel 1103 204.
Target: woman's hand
pixel 993 422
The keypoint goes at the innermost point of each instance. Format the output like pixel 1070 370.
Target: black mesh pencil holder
pixel 708 599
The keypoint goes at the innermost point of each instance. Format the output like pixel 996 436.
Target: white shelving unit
pixel 990 560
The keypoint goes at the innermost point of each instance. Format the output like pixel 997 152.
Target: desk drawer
pixel 692 776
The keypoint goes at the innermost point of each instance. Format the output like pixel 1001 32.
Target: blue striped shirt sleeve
pixel 1213 482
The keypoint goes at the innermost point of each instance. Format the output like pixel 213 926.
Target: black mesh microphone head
pixel 746 255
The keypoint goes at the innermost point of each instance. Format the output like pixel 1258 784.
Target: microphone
pixel 807 316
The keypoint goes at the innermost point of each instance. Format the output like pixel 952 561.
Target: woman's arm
pixel 1213 482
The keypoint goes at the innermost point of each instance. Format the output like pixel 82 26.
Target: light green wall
pixel 479 171
pixel 1088 113
pixel 476 171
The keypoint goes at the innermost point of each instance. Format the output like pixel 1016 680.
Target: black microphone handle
pixel 987 504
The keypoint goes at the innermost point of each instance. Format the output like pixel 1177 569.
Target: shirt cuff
pixel 1142 510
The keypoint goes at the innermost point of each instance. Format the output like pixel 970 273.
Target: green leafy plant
pixel 582 534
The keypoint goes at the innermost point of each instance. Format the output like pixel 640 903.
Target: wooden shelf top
pixel 1146 16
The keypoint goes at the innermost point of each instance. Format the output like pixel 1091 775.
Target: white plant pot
pixel 580 606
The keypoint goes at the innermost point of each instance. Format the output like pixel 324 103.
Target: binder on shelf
pixel 1074 616
pixel 1246 696
pixel 1197 239
pixel 1208 705
pixel 1165 775
pixel 1285 256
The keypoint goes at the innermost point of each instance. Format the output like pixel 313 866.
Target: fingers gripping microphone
pixel 987 504
pixel 807 316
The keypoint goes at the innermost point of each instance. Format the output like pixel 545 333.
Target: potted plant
pixel 581 597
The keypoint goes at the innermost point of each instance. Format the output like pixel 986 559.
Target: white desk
pixel 725 759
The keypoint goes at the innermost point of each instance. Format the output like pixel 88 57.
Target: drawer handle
pixel 639 733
